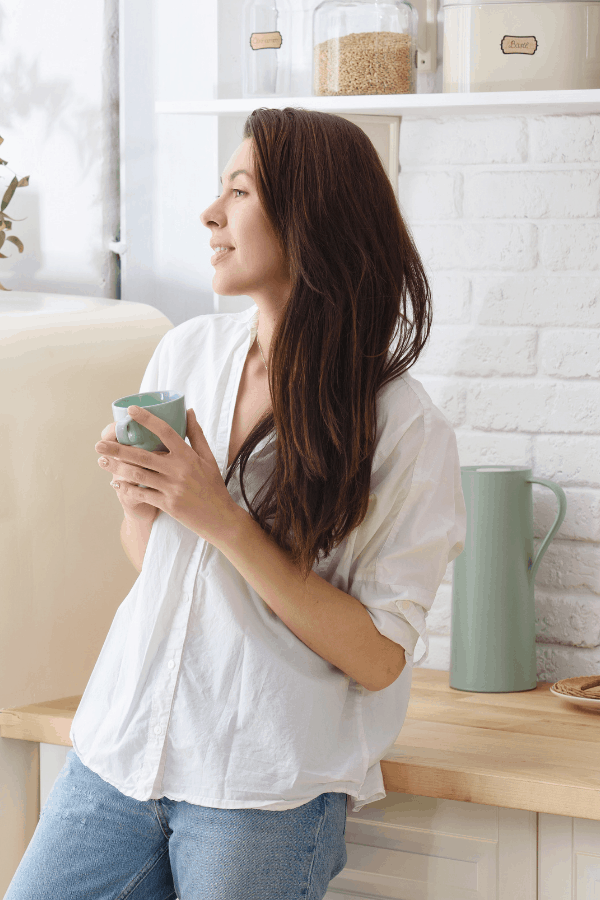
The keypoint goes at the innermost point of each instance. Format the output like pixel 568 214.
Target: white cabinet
pixel 569 858
pixel 52 759
pixel 407 847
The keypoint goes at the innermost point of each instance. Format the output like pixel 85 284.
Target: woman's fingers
pixel 108 433
pixel 122 471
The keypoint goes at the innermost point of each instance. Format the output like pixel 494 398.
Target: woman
pixel 259 669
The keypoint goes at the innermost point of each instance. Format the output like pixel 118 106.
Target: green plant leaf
pixel 3 162
pixel 24 182
pixel 17 242
pixel 8 193
pixel 2 237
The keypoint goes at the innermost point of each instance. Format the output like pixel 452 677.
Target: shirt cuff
pixel 404 623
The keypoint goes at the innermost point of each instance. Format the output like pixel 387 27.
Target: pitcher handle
pixel 562 508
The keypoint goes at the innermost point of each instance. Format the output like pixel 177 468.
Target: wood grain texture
pixel 523 750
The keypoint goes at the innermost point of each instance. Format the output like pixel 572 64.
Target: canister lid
pixel 511 2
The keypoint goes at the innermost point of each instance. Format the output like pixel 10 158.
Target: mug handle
pixel 122 431
pixel 562 508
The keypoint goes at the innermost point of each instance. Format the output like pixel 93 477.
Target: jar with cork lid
pixel 266 48
pixel 364 47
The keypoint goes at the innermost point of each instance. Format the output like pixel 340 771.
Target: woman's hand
pixel 184 481
pixel 133 509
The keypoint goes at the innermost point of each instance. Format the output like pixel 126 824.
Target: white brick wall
pixel 505 212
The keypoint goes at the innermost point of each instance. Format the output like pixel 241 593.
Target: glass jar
pixel 364 47
pixel 266 48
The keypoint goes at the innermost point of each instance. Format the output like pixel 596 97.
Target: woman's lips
pixel 219 255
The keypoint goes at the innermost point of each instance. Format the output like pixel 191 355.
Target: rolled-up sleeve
pixel 418 539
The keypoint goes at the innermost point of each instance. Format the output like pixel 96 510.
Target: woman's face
pixel 254 266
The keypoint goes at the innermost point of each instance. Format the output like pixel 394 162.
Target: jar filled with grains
pixel 364 47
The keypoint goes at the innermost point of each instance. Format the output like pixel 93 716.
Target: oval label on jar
pixel 263 40
pixel 512 43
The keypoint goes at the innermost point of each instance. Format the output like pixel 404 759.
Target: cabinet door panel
pixel 569 858
pixel 52 759
pixel 420 848
pixel 586 859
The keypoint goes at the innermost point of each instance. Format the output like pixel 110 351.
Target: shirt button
pixel 405 604
pixel 157 730
pixel 171 664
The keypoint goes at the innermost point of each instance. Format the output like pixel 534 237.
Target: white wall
pixel 506 214
pixel 186 159
pixel 59 120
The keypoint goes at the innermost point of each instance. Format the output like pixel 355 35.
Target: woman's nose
pixel 204 215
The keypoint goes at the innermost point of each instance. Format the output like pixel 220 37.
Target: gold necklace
pixel 261 353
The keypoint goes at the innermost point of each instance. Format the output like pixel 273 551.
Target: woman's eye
pixel 218 196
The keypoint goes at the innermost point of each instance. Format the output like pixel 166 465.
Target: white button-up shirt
pixel 200 692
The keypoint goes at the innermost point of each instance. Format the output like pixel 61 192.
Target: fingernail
pixel 103 461
pixel 116 484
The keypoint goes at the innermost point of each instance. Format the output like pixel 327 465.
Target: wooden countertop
pixel 522 750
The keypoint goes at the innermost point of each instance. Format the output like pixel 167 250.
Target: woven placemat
pixel 585 686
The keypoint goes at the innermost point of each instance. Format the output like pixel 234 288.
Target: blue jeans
pixel 94 843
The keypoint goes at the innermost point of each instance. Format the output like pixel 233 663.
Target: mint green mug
pixel 166 405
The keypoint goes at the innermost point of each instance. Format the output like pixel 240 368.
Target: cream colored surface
pixel 524 750
pixel 567 56
pixel 63 360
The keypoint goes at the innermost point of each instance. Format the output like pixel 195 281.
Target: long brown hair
pixel 352 265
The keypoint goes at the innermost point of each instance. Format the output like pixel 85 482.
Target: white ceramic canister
pixel 525 45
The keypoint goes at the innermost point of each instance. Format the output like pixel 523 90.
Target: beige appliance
pixel 521 46
pixel 63 360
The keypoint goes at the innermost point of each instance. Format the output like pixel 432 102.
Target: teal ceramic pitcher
pixel 492 644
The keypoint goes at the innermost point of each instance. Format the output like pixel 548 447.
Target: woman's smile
pixel 219 255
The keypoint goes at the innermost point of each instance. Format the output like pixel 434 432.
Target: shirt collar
pixel 252 320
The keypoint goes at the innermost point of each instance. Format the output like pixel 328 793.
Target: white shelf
pixel 408 105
